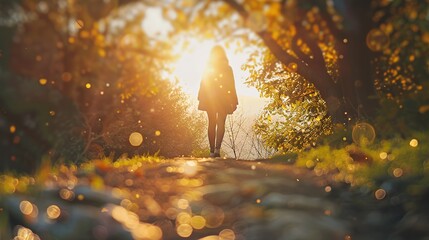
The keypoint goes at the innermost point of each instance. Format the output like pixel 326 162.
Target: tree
pixel 236 134
pixel 348 54
pixel 81 77
pixel 242 139
pixel 330 44
pixel 259 147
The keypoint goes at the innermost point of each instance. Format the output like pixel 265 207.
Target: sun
pixel 190 66
pixel 188 69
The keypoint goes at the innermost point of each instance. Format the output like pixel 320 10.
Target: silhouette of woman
pixel 217 96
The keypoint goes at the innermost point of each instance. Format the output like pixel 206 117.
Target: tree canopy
pixel 321 61
pixel 79 78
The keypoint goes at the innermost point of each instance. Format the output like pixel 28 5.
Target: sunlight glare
pixel 190 66
pixel 188 69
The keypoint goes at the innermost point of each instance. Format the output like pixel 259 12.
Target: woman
pixel 217 96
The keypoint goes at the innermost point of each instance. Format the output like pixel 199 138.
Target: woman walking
pixel 217 96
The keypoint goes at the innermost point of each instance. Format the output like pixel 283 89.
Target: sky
pixel 189 67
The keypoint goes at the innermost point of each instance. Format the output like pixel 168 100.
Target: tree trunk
pixel 357 82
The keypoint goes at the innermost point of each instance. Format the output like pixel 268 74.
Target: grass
pixel 396 166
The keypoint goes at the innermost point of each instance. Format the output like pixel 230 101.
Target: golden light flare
pixel 80 197
pixel 383 155
pixel 88 85
pixel 147 231
pixel 380 194
pixel 398 172
pixel 53 212
pixel 184 230
pixel 171 213
pixel 129 182
pixel 328 189
pixel 183 218
pixel 190 168
pixel 363 133
pixel 71 40
pixel 101 53
pixel 377 40
pixel 157 133
pixel 131 221
pixel 309 164
pixel 190 65
pixel 293 67
pixel 43 81
pixel 211 237
pixel 84 34
pixel 227 234
pixel 120 214
pixel 152 206
pixel 26 234
pixel 26 207
pixel 136 139
pixel 214 216
pixel 414 142
pixel 198 222
pixel 12 128
pixel 126 203
pixel 182 203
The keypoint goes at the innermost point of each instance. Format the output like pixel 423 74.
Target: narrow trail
pixel 185 199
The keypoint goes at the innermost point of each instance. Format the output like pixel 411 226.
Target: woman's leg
pixel 212 130
pixel 221 117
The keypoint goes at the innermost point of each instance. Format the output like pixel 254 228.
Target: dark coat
pixel 217 90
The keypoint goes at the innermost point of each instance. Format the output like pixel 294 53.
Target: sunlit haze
pixel 189 67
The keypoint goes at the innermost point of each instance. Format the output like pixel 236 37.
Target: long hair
pixel 218 56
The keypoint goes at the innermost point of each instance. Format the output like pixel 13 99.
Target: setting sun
pixel 188 69
pixel 190 66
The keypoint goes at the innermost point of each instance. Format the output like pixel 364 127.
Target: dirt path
pixel 183 199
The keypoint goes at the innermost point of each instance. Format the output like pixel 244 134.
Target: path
pixel 185 199
pixel 256 201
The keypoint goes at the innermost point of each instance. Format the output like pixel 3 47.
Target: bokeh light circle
pixel 377 40
pixel 136 139
pixel 26 207
pixel 227 234
pixel 363 133
pixel 53 212
pixel 213 215
pixel 184 230
pixel 293 67
pixel 198 222
pixel 414 142
pixel 380 194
